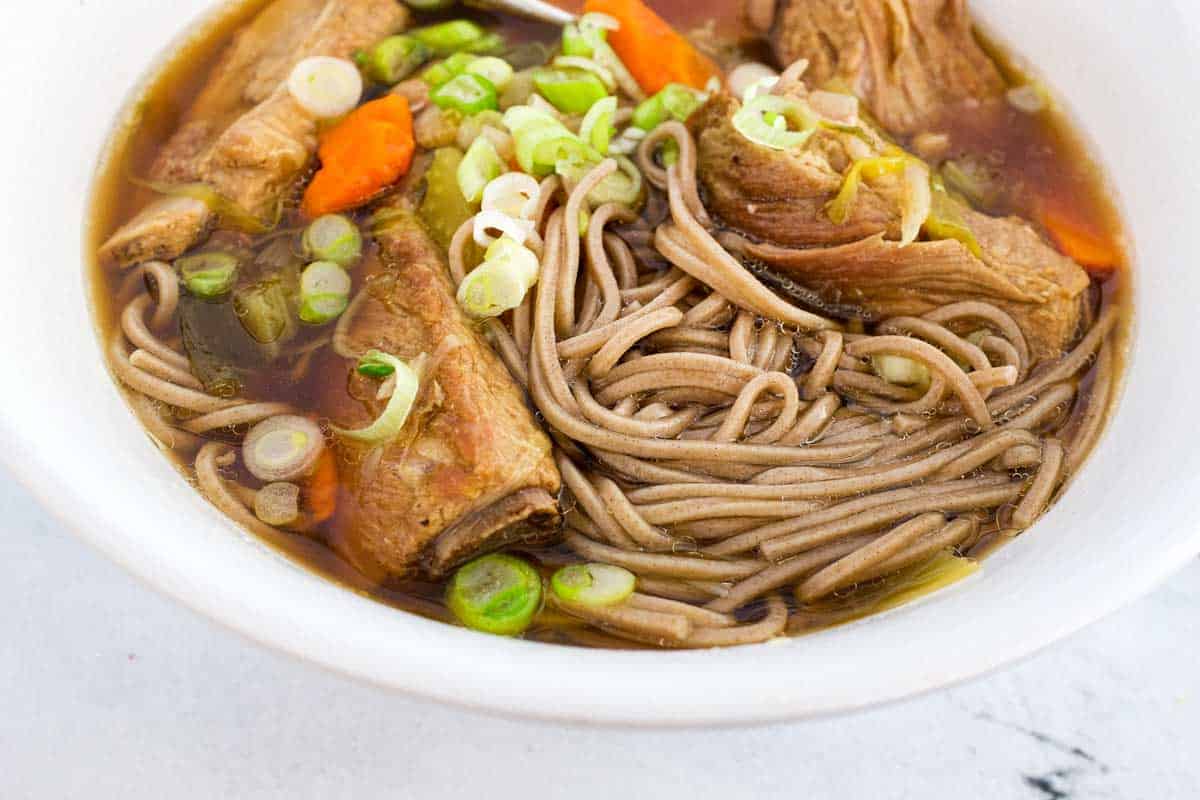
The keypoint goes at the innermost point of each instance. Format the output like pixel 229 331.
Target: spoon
pixel 530 9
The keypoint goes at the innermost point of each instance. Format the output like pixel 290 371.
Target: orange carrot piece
pixel 362 155
pixel 652 50
pixel 320 493
pixel 1077 240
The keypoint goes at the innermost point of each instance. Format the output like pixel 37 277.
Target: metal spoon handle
pixel 530 9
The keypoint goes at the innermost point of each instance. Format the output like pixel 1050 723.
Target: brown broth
pixel 1037 158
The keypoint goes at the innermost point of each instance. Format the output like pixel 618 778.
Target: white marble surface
pixel 108 690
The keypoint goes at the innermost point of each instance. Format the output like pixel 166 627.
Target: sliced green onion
pixel 842 204
pixel 450 37
pixel 519 230
pixel 945 222
pixel 467 94
pixel 393 59
pixel 373 366
pixel 597 128
pixel 497 594
pixel 399 406
pixel 588 65
pixel 901 371
pixel 489 291
pixel 550 152
pixel 649 114
pixel 918 201
pixel 283 448
pixel 324 292
pixel 531 128
pixel 593 585
pixel 448 69
pixel 335 238
pixel 575 43
pixel 489 44
pixel 674 101
pixel 514 255
pixel 754 122
pixel 680 101
pixel 500 283
pixel 571 91
pixel 519 117
pixel 515 194
pixel 277 503
pixel 624 187
pixel 480 166
pixel 208 275
pixel 496 70
pixel 326 87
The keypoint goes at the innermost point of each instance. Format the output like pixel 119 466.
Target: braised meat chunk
pixel 778 203
pixel 471 469
pixel 910 60
pixel 246 137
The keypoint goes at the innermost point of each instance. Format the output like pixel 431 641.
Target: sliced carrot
pixel 1089 249
pixel 362 155
pixel 320 492
pixel 651 49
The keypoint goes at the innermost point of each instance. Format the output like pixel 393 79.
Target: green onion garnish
pixel 775 122
pixel 335 238
pixel 593 584
pixel 497 594
pixel 372 365
pixel 324 292
pixel 443 71
pixel 466 93
pixel 393 59
pixel 450 37
pixel 400 404
pixel 208 275
pixel 571 91
pixel 479 167
pixel 498 71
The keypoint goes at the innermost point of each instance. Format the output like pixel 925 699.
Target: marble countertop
pixel 109 690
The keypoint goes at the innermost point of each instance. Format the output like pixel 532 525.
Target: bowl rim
pixel 578 692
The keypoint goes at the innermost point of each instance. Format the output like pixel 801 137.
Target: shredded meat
pixel 776 201
pixel 245 136
pixel 781 195
pixel 472 469
pixel 161 231
pixel 912 61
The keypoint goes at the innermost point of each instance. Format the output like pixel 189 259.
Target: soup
pixel 679 329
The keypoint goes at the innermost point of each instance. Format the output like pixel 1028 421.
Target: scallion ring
pixel 496 593
pixel 399 405
pixel 594 585
pixel 515 194
pixel 335 238
pixel 755 121
pixel 324 292
pixel 597 129
pixel 326 87
pixel 283 448
pixel 208 275
pixel 479 167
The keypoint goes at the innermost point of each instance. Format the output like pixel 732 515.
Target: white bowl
pixel 1128 522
